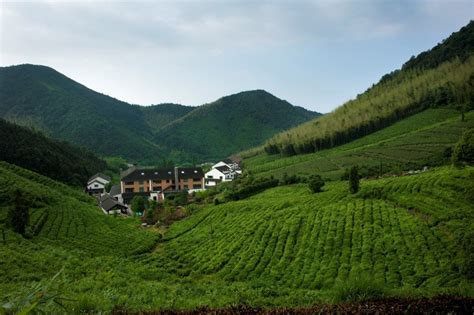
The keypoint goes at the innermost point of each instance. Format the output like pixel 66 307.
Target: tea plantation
pixel 398 236
pixel 414 142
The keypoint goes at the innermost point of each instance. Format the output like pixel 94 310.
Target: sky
pixel 315 54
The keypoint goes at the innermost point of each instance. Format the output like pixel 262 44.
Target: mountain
pixel 440 77
pixel 231 124
pixel 55 159
pixel 64 109
pixel 47 100
pixel 159 116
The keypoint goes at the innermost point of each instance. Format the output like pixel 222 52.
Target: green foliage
pixel 435 79
pixel 18 215
pixel 359 288
pixel 424 139
pixel 248 189
pixel 42 98
pixel 316 183
pixel 250 118
pixel 354 179
pixel 282 247
pixel 55 159
pixel 464 149
pixel 139 204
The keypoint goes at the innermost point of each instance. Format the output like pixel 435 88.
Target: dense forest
pixel 40 97
pixel 232 124
pixel 56 159
pixel 443 76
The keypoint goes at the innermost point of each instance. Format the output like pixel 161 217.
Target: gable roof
pixel 165 173
pixel 107 202
pixel 114 190
pixel 149 174
pixel 190 172
pixel 99 175
pixel 223 169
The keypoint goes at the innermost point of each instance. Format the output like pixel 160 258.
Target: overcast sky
pixel 316 54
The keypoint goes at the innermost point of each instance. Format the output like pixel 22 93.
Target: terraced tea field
pixel 411 143
pixel 399 236
pixel 68 218
pixel 396 231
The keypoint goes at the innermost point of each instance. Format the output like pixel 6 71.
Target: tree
pixel 150 212
pixel 139 204
pixel 316 183
pixel 464 148
pixel 354 180
pixel 18 216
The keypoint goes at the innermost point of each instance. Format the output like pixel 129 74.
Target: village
pixel 156 185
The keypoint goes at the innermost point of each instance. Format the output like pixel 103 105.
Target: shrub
pixel 354 180
pixel 360 288
pixel 316 183
pixel 464 150
pixel 18 215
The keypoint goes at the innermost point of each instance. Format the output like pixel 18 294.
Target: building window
pixel 96 185
pixel 197 187
pixel 128 189
pixel 220 177
pixel 141 189
pixel 140 182
pixel 128 183
pixel 210 176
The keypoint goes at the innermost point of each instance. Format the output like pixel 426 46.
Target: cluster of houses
pixel 155 184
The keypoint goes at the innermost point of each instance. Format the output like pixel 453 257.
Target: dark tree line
pixel 55 159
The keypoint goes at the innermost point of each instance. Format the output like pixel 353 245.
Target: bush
pixel 316 183
pixel 354 180
pixel 464 150
pixel 18 214
pixel 360 288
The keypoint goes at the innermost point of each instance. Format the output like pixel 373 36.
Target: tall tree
pixel 18 216
pixel 354 180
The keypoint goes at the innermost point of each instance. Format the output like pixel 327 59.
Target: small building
pixel 110 205
pixel 96 184
pixel 222 171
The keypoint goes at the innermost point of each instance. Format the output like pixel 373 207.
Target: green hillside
pixel 231 124
pixel 52 158
pixel 158 116
pixel 441 77
pixel 400 236
pixel 40 97
pixel 423 139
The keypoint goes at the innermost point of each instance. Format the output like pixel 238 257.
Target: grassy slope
pixel 411 143
pixel 282 247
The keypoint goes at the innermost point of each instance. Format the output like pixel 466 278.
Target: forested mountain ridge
pixel 440 77
pixel 41 97
pixel 246 118
pixel 55 159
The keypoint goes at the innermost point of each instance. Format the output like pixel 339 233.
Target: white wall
pixel 92 185
pixel 216 174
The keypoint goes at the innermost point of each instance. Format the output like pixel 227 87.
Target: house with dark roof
pixel 223 171
pixel 110 205
pixel 148 182
pixel 96 184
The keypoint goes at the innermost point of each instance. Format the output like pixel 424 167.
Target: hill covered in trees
pixel 440 77
pixel 232 124
pixel 63 109
pixel 56 159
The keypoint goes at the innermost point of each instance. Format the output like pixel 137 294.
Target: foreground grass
pixel 400 236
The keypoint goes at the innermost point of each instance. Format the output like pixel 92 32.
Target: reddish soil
pixel 437 305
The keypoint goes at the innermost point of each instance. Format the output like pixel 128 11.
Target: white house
pixel 220 172
pixel 96 184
